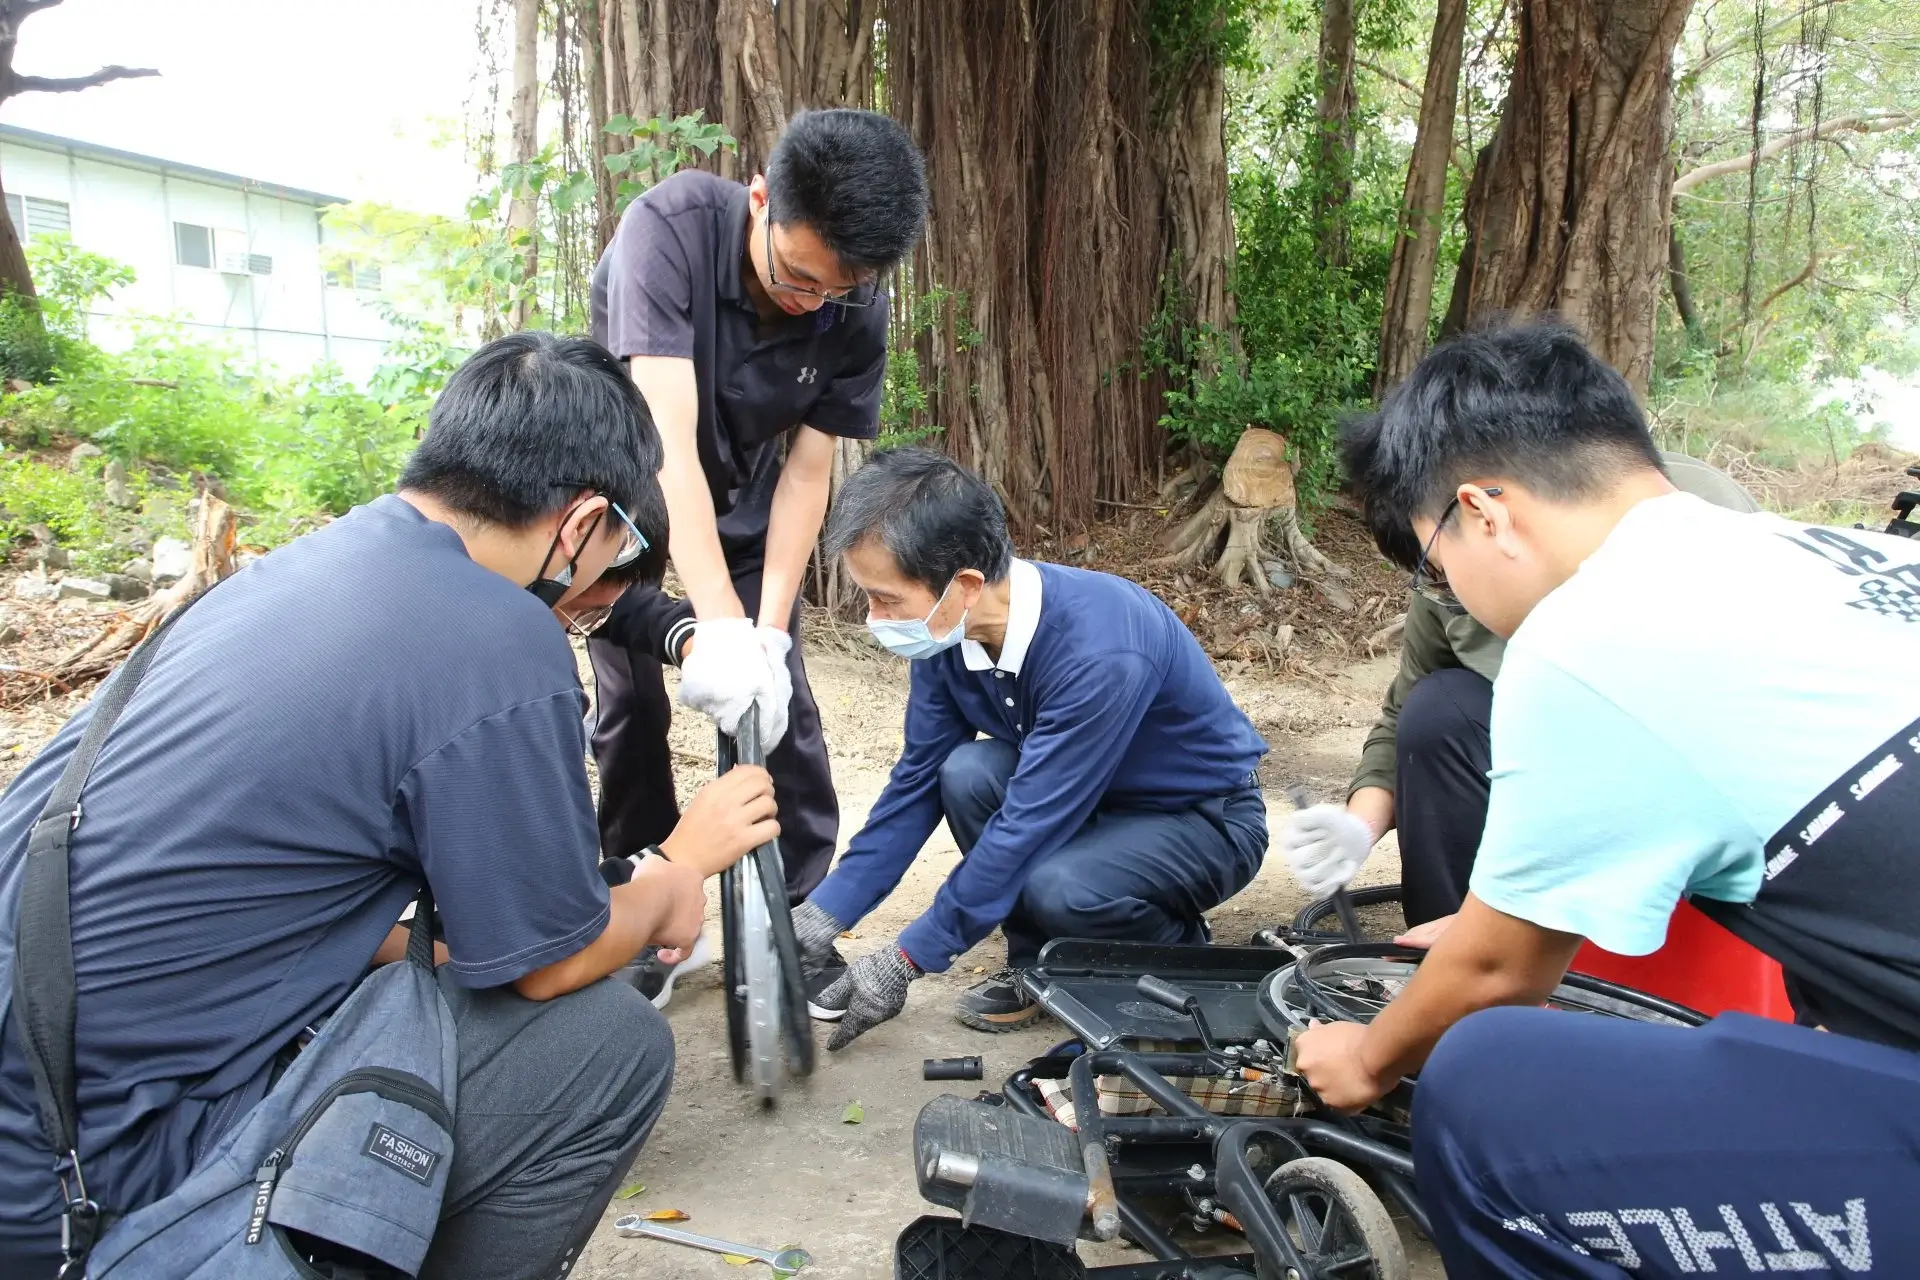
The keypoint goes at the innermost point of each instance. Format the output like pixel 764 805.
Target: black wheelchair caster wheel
pixel 1336 1223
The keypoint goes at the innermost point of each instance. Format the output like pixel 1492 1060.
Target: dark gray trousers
pixel 637 806
pixel 556 1098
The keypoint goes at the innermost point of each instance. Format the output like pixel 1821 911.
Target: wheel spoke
pixel 1313 1223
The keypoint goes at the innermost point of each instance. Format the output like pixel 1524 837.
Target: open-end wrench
pixel 784 1262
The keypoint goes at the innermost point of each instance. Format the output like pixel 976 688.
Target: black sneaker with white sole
pixel 655 980
pixel 996 1003
pixel 819 982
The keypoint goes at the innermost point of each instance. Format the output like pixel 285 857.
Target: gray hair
pixel 931 514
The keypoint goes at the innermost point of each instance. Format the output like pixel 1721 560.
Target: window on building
pixel 47 217
pixel 192 245
pixel 32 216
pixel 353 274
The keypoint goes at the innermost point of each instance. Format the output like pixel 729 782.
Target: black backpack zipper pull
pixel 264 1178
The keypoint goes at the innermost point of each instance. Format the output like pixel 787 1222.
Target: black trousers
pixel 637 805
pixel 1442 754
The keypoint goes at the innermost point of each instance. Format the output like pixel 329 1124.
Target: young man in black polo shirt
pixel 749 315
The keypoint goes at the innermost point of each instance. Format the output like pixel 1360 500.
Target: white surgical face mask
pixel 915 639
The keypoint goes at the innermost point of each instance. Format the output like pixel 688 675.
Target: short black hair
pixel 933 515
pixel 530 420
pixel 856 179
pixel 1526 401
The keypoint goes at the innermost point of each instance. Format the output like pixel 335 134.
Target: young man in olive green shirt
pixel 1424 766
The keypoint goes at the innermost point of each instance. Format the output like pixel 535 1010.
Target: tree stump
pixel 213 539
pixel 1256 492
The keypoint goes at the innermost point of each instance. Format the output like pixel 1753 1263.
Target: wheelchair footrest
pixel 946 1249
pixel 1001 1169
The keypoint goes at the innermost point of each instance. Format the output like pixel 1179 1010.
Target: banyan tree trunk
pixel 1416 247
pixel 1567 211
pixel 1064 167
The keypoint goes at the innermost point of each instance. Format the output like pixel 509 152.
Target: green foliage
pixel 1187 34
pixel 27 350
pixel 350 446
pixel 659 148
pixel 69 503
pixel 285 451
pixel 170 398
pixel 418 363
pixel 905 401
pixel 1308 327
pixel 1796 267
pixel 1275 391
pixel 70 281
pixel 1774 424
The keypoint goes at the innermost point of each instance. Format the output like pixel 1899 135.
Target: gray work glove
pixel 815 930
pixel 872 990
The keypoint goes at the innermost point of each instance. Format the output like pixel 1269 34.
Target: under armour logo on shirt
pixel 807 375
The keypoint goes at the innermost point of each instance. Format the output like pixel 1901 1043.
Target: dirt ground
pixel 798 1174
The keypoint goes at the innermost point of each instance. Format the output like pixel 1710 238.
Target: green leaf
pixel 619 162
pixel 623 125
pixel 631 1190
pixel 854 1114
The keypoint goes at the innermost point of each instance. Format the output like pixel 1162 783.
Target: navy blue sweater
pixel 1115 706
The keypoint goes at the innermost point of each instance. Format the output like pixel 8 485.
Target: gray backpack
pixel 339 1171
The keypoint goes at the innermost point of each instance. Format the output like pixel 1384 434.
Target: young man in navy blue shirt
pixel 751 321
pixel 1115 794
pixel 387 700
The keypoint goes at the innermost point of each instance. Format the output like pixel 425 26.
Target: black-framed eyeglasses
pixel 856 295
pixel 633 543
pixel 1434 585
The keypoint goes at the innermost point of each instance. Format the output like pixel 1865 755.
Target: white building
pixel 221 254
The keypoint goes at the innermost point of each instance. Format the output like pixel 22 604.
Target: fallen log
pixel 212 560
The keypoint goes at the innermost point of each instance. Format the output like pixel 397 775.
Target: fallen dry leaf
pixel 666 1215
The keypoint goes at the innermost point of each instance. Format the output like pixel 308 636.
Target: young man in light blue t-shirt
pixel 1695 704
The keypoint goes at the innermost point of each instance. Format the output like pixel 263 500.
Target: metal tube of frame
pixel 1165 1128
pixel 1404 1195
pixel 1141 1230
pixel 1343 1142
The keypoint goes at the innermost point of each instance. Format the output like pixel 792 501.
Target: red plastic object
pixel 1701 966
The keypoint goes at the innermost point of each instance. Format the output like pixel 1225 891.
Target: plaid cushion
pixel 1267 1096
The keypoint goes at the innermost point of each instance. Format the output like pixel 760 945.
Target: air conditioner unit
pixel 230 252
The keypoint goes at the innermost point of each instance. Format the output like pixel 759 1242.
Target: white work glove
pixel 1326 846
pixel 776 644
pixel 726 673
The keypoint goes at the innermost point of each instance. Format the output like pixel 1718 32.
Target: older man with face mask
pixel 1095 773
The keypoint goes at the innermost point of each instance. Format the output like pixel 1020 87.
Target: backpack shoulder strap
pixel 44 989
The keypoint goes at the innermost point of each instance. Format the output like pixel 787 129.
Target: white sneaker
pixel 655 980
